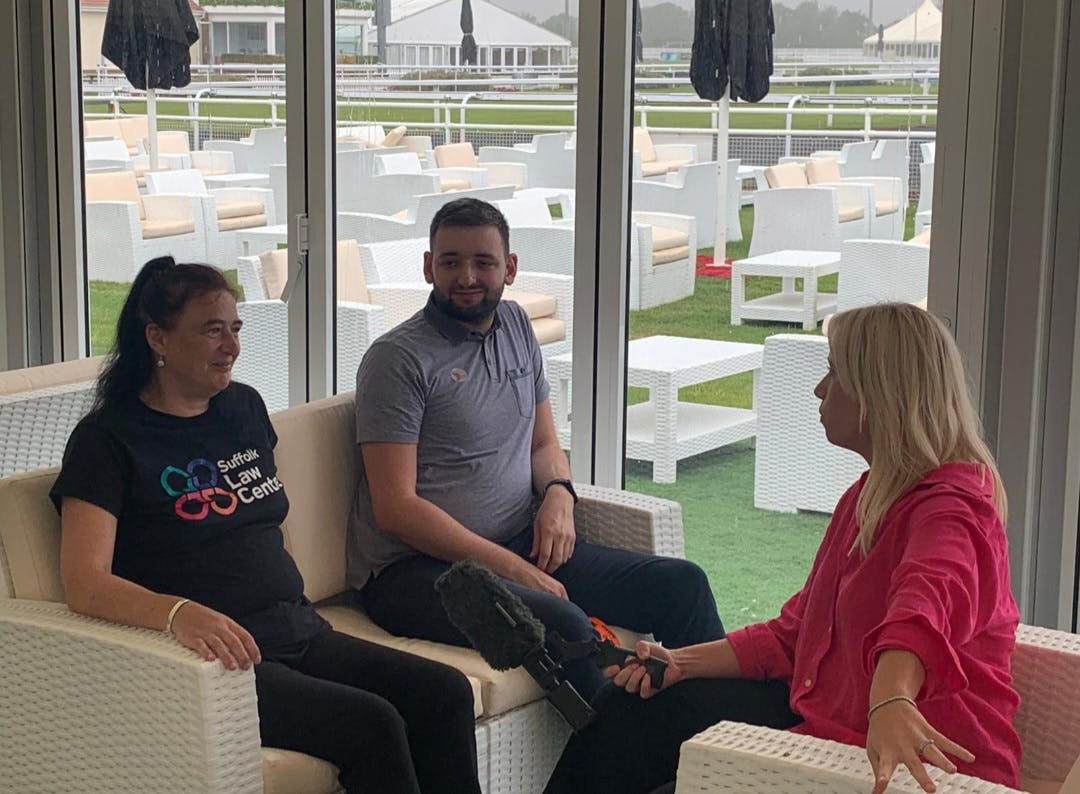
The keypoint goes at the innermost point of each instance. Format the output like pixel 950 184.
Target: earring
pixel 161 362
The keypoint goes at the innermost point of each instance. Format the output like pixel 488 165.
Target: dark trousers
pixel 633 745
pixel 668 597
pixel 390 721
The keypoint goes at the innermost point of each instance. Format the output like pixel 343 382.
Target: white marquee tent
pixel 914 36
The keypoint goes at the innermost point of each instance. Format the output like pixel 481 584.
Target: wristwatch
pixel 565 483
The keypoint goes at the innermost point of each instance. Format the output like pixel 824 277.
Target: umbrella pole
pixel 151 122
pixel 722 116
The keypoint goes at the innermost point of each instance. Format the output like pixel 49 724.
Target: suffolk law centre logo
pixel 198 487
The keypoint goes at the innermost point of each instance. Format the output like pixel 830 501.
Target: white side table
pixel 261 238
pixel 237 180
pixel 806 307
pixel 664 430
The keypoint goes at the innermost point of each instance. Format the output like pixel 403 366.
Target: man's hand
pixel 553 531
pixel 530 576
pixel 634 678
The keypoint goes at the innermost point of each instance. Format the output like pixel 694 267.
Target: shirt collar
pixel 451 328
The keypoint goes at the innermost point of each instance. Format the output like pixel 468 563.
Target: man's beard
pixel 477 313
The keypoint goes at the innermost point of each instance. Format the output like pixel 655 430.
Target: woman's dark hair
pixel 160 292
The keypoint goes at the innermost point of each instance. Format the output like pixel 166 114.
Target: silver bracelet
pixel 172 613
pixel 886 701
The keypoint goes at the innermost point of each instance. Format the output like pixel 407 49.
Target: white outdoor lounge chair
pixel 795 467
pixel 461 155
pixel 369 227
pixel 888 201
pixel 855 199
pixel 733 757
pixel 797 219
pixel 691 190
pixel 876 271
pixel 663 258
pixel 226 210
pixel 449 178
pixel 125 229
pixel 548 161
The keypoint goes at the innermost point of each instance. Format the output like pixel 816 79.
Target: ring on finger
pixel 925 743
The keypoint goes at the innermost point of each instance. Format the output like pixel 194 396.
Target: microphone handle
pixel 569 703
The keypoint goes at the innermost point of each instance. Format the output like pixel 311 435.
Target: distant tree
pixel 666 24
pixel 812 25
pixel 562 26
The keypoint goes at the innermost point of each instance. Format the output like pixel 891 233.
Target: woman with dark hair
pixel 155 533
pixel 902 637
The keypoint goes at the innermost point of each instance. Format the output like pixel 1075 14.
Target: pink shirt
pixel 936 583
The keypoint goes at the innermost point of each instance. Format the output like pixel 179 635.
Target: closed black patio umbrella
pixel 468 43
pixel 732 58
pixel 150 41
pixel 639 46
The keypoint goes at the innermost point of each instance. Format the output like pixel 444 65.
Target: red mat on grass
pixel 705 267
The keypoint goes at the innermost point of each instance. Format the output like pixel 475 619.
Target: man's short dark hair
pixel 470 212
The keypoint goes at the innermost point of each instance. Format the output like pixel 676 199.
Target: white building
pixel 432 37
pixel 92 15
pixel 914 36
pixel 260 30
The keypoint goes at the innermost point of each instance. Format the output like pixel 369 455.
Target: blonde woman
pixel 900 641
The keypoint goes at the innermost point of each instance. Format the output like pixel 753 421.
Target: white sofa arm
pixel 248 276
pixel 732 756
pixel 886 188
pixel 675 151
pixel 358 325
pixel 92 706
pixel 400 301
pixel 627 520
pixel 113 240
pixel 507 173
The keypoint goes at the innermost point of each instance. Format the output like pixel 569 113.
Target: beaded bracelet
pixel 886 701
pixel 172 614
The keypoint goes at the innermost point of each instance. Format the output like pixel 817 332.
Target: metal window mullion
pixel 310 154
pixel 605 78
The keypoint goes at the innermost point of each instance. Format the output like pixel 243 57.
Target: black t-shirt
pixel 199 509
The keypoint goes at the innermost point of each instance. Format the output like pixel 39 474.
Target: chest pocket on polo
pixel 521 381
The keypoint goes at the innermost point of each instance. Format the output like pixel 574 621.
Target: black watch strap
pixel 565 483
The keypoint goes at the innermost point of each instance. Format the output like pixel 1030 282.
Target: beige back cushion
pixel 102 128
pixel 643 145
pixel 786 175
pixel 114 186
pixel 393 138
pixel 30 538
pixel 825 169
pixel 351 285
pixel 455 155
pixel 173 143
pixel 30 378
pixel 134 129
pixel 319 464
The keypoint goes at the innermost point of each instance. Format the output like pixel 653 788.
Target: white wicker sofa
pixel 1046 665
pixel 91 706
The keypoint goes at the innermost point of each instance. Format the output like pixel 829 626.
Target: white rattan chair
pixel 461 156
pixel 448 178
pixel 798 219
pixel 876 271
pixel 370 227
pixel 732 757
pixel 547 160
pixel 795 466
pixel 140 713
pixel 691 190
pixel 663 258
pixel 888 203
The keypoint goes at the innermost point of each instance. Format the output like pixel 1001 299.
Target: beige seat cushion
pixel 534 304
pixel 850 212
pixel 351 287
pixel 922 237
pixel 393 138
pixel 643 145
pixel 653 168
pixel 401 215
pixel 134 129
pixel 447 184
pixel 114 186
pixel 237 209
pixel 885 207
pixel 666 255
pixel 494 691
pixel 821 170
pixel 548 330
pixel 455 155
pixel 287 772
pixel 663 237
pixel 102 128
pixel 786 175
pixel 31 378
pixel 242 222
pixel 153 229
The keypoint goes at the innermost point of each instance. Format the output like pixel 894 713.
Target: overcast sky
pixel 885 11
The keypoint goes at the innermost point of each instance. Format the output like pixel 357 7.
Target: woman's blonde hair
pixel 903 369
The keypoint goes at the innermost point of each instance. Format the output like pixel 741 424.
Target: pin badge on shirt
pixel 458 375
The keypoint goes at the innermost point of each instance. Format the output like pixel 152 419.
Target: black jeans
pixel 668 597
pixel 390 721
pixel 633 745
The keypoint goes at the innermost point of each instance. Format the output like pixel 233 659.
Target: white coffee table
pixel 664 430
pixel 806 307
pixel 237 180
pixel 261 238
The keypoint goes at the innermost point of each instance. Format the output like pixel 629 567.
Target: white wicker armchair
pixel 547 159
pixel 691 190
pixel 1046 665
pixel 370 227
pixel 875 271
pixel 94 707
pixel 663 258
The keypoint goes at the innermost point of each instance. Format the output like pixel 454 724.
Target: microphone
pixel 507 634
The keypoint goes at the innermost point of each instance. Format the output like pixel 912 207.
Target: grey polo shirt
pixel 468 401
